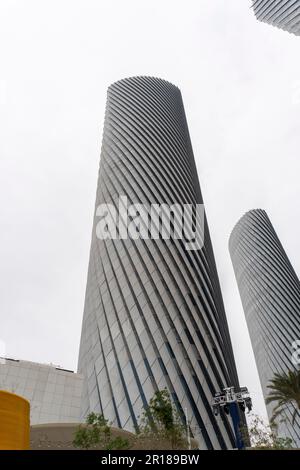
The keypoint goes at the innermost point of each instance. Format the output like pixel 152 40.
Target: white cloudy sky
pixel 240 81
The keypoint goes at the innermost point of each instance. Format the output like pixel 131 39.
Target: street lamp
pixel 230 402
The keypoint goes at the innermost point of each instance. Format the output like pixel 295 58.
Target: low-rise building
pixel 54 393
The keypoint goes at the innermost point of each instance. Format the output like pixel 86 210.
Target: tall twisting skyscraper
pixel 284 14
pixel 270 293
pixel 153 315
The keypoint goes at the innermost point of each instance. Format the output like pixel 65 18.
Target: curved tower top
pixel 285 14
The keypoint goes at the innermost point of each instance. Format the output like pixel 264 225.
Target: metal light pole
pixel 231 402
pixel 188 429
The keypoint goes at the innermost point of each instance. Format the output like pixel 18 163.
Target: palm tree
pixel 285 389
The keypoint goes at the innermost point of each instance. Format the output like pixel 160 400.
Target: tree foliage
pixel 161 420
pixel 264 436
pixel 96 433
pixel 285 390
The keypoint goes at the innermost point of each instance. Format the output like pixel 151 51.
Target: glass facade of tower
pixel 154 314
pixel 270 293
pixel 284 14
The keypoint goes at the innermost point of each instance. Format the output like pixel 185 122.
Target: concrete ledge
pixel 60 437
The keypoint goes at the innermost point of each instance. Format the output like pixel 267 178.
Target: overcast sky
pixel 240 81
